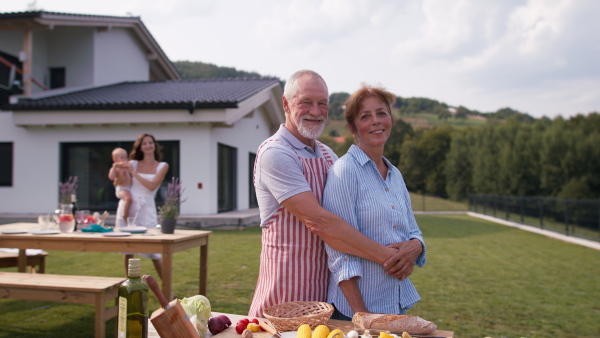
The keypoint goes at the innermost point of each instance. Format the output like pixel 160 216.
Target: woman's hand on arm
pixel 402 263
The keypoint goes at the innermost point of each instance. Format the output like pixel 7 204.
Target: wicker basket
pixel 289 316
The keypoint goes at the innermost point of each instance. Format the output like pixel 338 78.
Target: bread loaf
pixel 393 323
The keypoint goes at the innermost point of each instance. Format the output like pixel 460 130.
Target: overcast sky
pixel 541 57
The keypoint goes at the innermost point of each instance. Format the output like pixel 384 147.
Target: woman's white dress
pixel 143 207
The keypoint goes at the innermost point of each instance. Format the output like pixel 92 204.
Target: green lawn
pixel 431 203
pixel 481 279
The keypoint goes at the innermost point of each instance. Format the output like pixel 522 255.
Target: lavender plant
pixel 67 190
pixel 170 210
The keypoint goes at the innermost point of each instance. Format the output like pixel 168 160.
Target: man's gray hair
pixel 291 86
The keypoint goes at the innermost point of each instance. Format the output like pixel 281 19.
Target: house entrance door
pixel 227 169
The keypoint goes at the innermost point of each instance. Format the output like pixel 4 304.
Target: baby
pixel 119 174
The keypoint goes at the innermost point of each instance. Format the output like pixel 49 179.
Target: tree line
pixel 543 157
pixel 512 154
pixel 413 106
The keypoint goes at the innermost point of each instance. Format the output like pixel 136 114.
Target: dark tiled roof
pixel 187 94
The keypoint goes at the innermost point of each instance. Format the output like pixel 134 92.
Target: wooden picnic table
pixel 151 242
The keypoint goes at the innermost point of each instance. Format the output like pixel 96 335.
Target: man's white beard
pixel 311 132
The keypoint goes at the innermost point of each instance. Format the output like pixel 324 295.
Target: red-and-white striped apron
pixel 293 261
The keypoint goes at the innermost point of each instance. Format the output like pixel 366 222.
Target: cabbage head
pixel 198 306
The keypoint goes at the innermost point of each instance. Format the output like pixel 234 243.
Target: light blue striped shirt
pixel 381 210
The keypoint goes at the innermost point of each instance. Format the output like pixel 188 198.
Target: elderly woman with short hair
pixel 369 193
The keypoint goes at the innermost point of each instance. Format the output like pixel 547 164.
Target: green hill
pixel 416 111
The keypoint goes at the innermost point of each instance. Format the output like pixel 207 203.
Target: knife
pixel 269 328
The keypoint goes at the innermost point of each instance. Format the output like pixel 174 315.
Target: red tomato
pixel 255 321
pixel 240 327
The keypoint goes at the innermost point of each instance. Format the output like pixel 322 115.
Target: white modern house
pixel 73 87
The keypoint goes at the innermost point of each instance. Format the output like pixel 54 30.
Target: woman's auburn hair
pixel 355 100
pixel 136 152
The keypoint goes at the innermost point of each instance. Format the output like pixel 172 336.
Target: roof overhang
pixel 267 102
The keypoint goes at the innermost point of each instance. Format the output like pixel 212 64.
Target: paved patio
pixel 233 220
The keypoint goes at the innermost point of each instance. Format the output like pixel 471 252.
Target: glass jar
pixel 66 220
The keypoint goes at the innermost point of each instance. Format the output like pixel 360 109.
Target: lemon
pixel 385 335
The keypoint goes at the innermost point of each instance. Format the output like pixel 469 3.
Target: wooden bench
pixel 10 260
pixel 65 289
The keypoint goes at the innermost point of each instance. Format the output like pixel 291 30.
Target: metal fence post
pixel 506 207
pixel 521 209
pixel 484 205
pixel 566 218
pixel 541 213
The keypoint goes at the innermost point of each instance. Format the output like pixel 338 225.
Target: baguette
pixel 393 323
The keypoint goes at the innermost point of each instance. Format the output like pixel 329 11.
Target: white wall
pixel 12 42
pixel 91 57
pixel 248 134
pixel 118 57
pixel 36 159
pixel 72 48
pixel 35 169
pixel 39 65
pixel 195 166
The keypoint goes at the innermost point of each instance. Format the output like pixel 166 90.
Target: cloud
pixel 536 56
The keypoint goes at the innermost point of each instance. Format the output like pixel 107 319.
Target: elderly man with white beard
pixel 289 177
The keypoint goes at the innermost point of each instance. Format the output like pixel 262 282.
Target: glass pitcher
pixel 66 220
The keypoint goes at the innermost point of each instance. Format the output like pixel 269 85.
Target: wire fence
pixel 435 203
pixel 572 217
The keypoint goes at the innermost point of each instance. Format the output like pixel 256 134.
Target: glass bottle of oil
pixel 133 304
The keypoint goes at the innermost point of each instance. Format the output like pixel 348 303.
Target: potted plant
pixel 169 211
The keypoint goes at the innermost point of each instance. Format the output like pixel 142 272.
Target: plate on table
pixel 134 230
pixel 13 232
pixel 45 232
pixel 116 234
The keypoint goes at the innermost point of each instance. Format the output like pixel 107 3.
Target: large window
pixel 91 161
pixel 227 168
pixel 6 164
pixel 253 201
